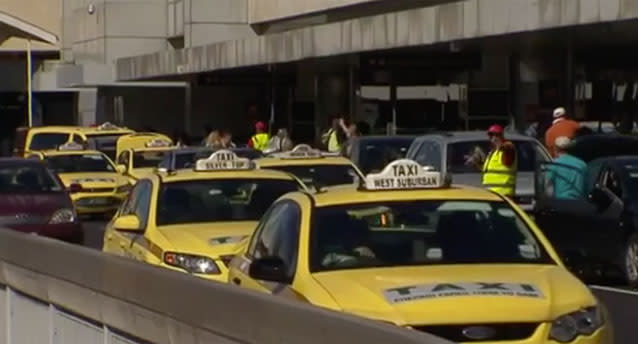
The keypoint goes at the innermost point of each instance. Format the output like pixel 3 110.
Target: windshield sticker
pixel 633 175
pixel 464 206
pixel 92 157
pixel 432 291
pixel 528 251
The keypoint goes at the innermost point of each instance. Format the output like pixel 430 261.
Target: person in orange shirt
pixel 561 126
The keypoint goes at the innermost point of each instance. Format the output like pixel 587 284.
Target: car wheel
pixel 631 261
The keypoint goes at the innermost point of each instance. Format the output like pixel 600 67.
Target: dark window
pixel 27 179
pixel 104 143
pixel 79 163
pixel 48 141
pixel 148 158
pixel 278 236
pixel 429 154
pixel 375 155
pixel 198 201
pixel 321 175
pixel 391 234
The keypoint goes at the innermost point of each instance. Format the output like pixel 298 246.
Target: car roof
pixel 270 161
pixel 461 136
pixel 385 138
pixel 355 195
pixel 596 146
pixel 189 174
pixel 55 152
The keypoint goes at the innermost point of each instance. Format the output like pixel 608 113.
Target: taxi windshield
pixel 393 234
pixel 321 175
pixel 27 179
pixel 104 143
pixel 79 163
pixel 46 141
pixel 148 158
pixel 197 201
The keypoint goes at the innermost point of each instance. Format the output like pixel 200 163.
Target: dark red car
pixel 34 200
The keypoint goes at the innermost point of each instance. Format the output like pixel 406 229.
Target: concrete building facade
pixel 414 64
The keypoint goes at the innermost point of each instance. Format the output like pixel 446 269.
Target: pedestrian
pixel 334 137
pixel 351 131
pixel 259 141
pixel 566 176
pixel 226 140
pixel 280 142
pixel 499 167
pixel 561 126
pixel 214 139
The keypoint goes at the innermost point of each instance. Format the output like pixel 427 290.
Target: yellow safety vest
pixel 260 141
pixel 497 176
pixel 333 141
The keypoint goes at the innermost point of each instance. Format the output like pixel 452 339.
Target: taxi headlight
pixel 124 188
pixel 584 322
pixel 191 263
pixel 63 216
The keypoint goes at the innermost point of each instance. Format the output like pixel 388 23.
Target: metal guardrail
pixel 54 292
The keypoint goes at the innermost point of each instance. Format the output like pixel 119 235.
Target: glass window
pixel 197 201
pixel 321 175
pixel 392 234
pixel 143 202
pixel 279 237
pixel 613 183
pixel 104 143
pixel 27 179
pixel 528 154
pixel 130 204
pixel 78 139
pixel 429 154
pixel 46 141
pixel 148 158
pixel 123 158
pixel 375 155
pixel 79 163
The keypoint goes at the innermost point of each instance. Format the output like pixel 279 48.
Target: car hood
pixel 43 204
pixel 93 179
pixel 457 294
pixel 524 181
pixel 209 239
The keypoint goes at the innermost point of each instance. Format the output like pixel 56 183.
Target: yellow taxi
pixel 104 137
pixel 314 168
pixel 193 220
pixel 406 247
pixel 101 138
pixel 139 154
pixel 95 183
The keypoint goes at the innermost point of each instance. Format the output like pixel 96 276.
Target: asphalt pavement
pixel 621 302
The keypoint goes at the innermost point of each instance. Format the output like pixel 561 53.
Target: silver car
pixel 449 151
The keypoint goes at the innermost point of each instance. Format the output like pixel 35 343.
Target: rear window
pixel 104 144
pixel 27 179
pixel 321 175
pixel 48 141
pixel 528 155
pixel 375 155
pixel 80 163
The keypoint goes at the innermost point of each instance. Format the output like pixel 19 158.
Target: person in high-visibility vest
pixel 499 168
pixel 259 141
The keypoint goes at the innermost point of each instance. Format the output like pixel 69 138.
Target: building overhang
pixel 449 23
pixel 12 26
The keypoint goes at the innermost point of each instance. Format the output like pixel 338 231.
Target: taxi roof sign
pixel 71 146
pixel 223 160
pixel 107 126
pixel 404 174
pixel 158 142
pixel 301 151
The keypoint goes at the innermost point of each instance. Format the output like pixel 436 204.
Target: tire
pixel 630 261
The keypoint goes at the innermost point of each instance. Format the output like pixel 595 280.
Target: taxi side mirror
pixel 128 223
pixel 599 198
pixel 121 169
pixel 270 269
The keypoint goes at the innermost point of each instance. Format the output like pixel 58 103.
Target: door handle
pixel 237 281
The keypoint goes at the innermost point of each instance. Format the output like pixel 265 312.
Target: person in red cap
pixel 259 141
pixel 499 167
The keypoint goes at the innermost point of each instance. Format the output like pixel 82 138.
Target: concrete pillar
pixel 86 102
